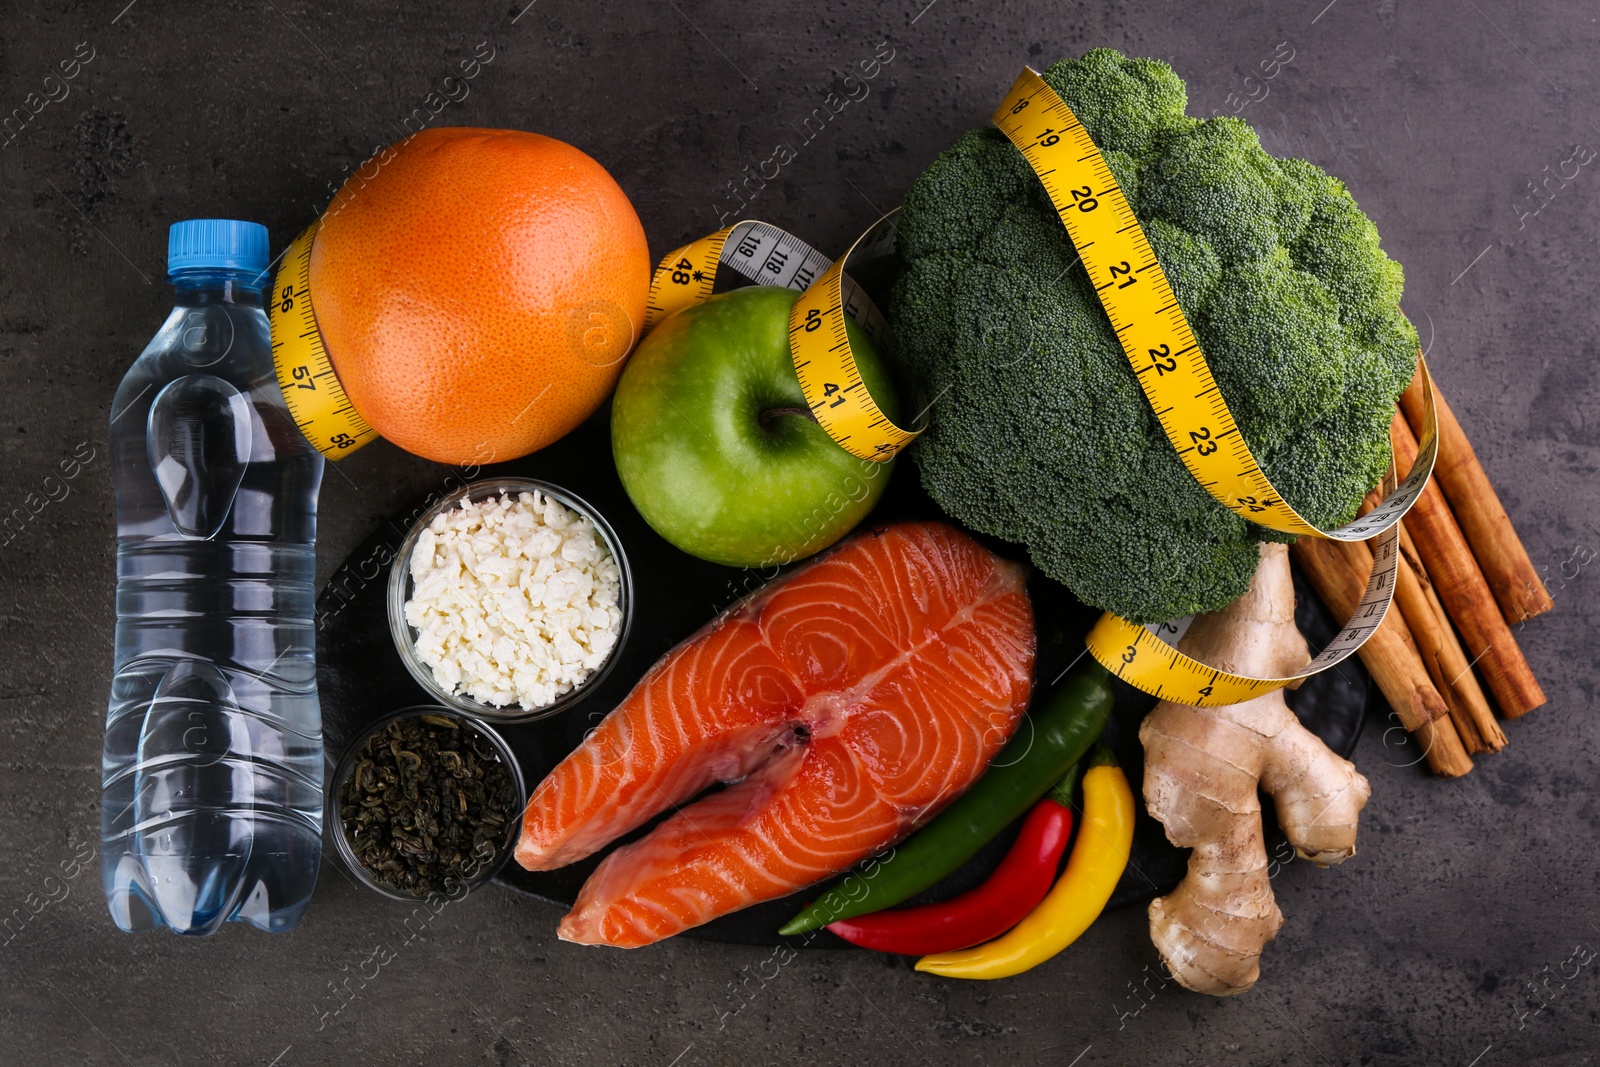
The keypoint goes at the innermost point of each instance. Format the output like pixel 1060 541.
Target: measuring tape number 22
pixel 1172 371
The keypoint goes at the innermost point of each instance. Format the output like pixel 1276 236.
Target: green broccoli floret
pixel 1039 432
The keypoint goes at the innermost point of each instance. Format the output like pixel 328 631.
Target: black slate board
pixel 360 676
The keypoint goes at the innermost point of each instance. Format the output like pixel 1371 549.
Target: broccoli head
pixel 1039 432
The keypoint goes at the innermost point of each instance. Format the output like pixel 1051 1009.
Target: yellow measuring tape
pixel 317 401
pixel 757 251
pixel 1172 371
pixel 818 339
pixel 1132 288
pixel 827 368
pixel 1139 656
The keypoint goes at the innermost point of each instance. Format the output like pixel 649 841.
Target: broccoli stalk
pixel 1039 432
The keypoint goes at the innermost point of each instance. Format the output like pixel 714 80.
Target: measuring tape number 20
pixel 1171 369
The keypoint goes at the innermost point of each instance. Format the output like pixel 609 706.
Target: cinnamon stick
pixel 1448 664
pixel 1412 607
pixel 1482 518
pixel 1463 590
pixel 1338 572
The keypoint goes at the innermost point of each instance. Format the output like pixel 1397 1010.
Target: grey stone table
pixel 1460 935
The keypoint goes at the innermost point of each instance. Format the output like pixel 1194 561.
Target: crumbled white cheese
pixel 513 601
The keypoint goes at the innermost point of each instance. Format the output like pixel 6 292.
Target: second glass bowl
pixel 346 846
pixel 401 585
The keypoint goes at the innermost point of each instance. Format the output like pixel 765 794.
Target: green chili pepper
pixel 1054 736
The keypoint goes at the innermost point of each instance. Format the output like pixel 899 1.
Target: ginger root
pixel 1202 769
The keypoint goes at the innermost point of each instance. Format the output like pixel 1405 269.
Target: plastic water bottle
pixel 212 777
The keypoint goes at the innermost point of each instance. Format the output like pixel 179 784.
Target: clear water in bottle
pixel 212 776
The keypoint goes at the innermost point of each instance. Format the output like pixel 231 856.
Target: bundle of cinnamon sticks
pixel 1464 579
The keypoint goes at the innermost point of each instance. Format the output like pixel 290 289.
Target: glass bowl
pixel 400 587
pixel 347 766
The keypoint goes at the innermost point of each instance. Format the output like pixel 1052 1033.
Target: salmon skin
pixel 846 702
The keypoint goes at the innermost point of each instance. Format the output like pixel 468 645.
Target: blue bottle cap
pixel 217 244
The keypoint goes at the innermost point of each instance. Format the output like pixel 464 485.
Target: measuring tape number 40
pixel 1137 298
pixel 818 337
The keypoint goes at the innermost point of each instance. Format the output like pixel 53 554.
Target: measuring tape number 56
pixel 317 401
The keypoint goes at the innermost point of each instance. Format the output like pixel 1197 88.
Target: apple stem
pixel 773 413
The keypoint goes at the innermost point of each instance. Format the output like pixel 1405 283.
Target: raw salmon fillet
pixel 847 702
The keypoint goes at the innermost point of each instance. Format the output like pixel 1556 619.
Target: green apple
pixel 716 446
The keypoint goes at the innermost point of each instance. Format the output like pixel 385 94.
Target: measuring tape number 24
pixel 1176 380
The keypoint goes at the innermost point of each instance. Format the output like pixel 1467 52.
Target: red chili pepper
pixel 982 914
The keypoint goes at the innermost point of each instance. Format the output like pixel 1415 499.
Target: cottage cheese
pixel 514 601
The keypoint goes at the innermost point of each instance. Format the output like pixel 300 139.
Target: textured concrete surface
pixel 1464 932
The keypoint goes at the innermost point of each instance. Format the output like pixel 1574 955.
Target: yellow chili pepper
pixel 1079 895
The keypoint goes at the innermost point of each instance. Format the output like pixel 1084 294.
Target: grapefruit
pixel 479 293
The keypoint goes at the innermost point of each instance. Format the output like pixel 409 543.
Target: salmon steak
pixel 844 703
